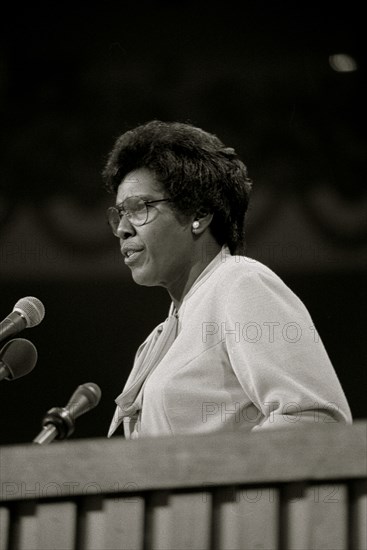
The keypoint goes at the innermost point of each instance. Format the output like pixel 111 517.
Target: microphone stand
pixel 57 424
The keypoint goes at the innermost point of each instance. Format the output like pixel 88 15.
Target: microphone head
pixel 93 391
pixel 85 398
pixel 32 309
pixel 19 356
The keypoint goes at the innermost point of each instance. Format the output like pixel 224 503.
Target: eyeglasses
pixel 134 208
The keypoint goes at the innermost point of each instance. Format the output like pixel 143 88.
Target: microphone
pixel 17 358
pixel 27 312
pixel 59 422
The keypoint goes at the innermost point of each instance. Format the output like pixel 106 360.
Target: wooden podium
pixel 300 488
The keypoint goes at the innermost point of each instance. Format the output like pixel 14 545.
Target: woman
pixel 238 350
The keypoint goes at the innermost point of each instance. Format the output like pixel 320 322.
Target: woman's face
pixel 163 247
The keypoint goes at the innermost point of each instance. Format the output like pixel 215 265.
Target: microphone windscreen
pixel 93 391
pixel 19 356
pixel 85 398
pixel 32 309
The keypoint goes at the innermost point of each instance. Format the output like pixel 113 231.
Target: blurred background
pixel 285 84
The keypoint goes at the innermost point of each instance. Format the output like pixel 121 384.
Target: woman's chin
pixel 142 277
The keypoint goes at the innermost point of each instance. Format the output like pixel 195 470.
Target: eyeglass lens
pixel 134 208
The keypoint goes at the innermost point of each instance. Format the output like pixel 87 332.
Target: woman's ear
pixel 200 222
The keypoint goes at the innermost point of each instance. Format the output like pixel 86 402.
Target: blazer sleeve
pixel 278 357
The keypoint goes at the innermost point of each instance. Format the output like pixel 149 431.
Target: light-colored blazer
pixel 245 356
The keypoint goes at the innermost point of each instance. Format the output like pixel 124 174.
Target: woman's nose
pixel 125 229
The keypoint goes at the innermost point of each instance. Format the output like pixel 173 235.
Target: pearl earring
pixel 195 224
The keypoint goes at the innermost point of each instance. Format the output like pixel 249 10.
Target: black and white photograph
pixel 183 264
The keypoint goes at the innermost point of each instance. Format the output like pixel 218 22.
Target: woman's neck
pixel 181 287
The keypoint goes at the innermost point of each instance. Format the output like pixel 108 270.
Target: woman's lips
pixel 132 256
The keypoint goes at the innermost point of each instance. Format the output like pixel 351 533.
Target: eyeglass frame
pixel 119 209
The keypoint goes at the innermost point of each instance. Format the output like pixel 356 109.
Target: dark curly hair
pixel 198 172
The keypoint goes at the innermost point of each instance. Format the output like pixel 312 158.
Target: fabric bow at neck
pixel 148 356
